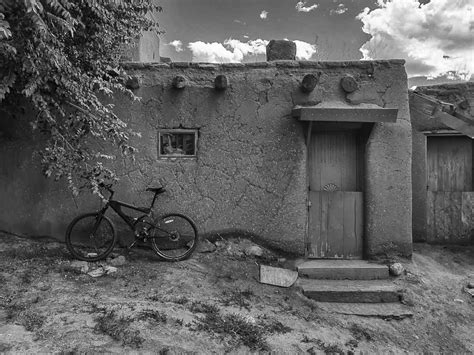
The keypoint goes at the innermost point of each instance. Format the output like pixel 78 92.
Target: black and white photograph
pixel 236 176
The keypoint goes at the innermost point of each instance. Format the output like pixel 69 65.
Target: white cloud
pixel 300 7
pixel 304 50
pixel 254 47
pixel 231 51
pixel 434 38
pixel 236 51
pixel 264 15
pixel 341 8
pixel 177 44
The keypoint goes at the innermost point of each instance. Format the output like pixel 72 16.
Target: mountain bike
pixel 92 236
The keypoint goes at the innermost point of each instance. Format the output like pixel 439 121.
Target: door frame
pixel 363 130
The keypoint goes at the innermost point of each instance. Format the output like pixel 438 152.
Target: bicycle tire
pixel 175 237
pixel 79 242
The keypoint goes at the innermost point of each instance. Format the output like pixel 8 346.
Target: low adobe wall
pixel 460 95
pixel 250 172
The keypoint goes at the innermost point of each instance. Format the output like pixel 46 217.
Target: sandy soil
pixel 213 303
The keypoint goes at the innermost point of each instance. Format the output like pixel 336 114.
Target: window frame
pixel 162 131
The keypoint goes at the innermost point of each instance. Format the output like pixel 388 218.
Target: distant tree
pixel 62 56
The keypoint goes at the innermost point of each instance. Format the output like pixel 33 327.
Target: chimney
pixel 281 49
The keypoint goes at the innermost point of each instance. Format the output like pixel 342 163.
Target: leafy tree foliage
pixel 62 56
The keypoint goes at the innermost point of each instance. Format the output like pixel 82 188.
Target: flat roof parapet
pixel 363 64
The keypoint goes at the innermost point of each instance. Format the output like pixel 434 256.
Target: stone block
pixel 281 50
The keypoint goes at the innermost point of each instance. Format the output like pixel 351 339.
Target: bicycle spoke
pixel 174 237
pixel 90 239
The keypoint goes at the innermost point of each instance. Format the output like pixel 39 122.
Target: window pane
pixel 175 144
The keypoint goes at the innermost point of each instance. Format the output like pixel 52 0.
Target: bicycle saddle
pixel 156 190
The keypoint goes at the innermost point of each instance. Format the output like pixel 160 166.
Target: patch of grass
pixel 31 320
pixel 14 310
pixel 359 333
pixel 275 327
pixel 326 348
pixel 156 316
pixel 352 343
pixel 178 321
pixel 33 252
pixel 154 298
pixel 203 307
pixel 237 298
pixel 5 347
pixel 329 348
pixel 179 300
pixel 241 330
pixel 68 269
pixel 235 326
pixel 118 328
pixel 26 278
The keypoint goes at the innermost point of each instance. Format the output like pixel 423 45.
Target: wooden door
pixel 336 198
pixel 450 196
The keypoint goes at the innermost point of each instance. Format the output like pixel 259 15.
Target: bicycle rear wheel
pixel 174 237
pixel 90 237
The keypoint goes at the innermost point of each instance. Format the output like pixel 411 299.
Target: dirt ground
pixel 213 303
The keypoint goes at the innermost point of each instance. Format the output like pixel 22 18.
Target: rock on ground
pixel 396 269
pixel 254 250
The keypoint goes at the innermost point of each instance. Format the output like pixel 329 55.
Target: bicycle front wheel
pixel 174 237
pixel 90 237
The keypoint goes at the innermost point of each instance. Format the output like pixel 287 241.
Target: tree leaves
pixel 5 32
pixel 60 55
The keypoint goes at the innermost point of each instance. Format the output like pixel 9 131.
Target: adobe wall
pixel 451 93
pixel 250 171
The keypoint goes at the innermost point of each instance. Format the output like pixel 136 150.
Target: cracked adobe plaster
pixel 250 170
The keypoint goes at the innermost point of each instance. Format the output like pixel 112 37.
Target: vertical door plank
pixel 432 163
pixel 330 163
pixel 359 223
pixel 323 242
pixel 447 217
pixel 353 225
pixel 349 223
pixel 335 224
pixel 467 216
pixel 315 224
pixel 430 216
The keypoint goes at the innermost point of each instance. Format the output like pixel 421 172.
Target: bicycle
pixel 92 236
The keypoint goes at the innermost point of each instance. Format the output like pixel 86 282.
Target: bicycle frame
pixel 117 207
pixel 131 221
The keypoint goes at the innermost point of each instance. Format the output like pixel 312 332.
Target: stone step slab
pixel 350 291
pixel 386 311
pixel 343 269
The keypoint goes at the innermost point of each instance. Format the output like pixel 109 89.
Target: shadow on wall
pixel 29 202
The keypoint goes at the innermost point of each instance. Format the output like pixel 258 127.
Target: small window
pixel 177 143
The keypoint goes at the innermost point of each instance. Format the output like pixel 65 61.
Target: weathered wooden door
pixel 336 198
pixel 450 196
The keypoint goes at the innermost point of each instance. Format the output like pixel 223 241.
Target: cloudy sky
pixel 435 37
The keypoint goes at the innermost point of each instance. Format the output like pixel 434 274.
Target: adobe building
pixel 314 158
pixel 443 133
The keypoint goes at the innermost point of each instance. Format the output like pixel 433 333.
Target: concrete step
pixel 386 311
pixel 343 269
pixel 350 291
